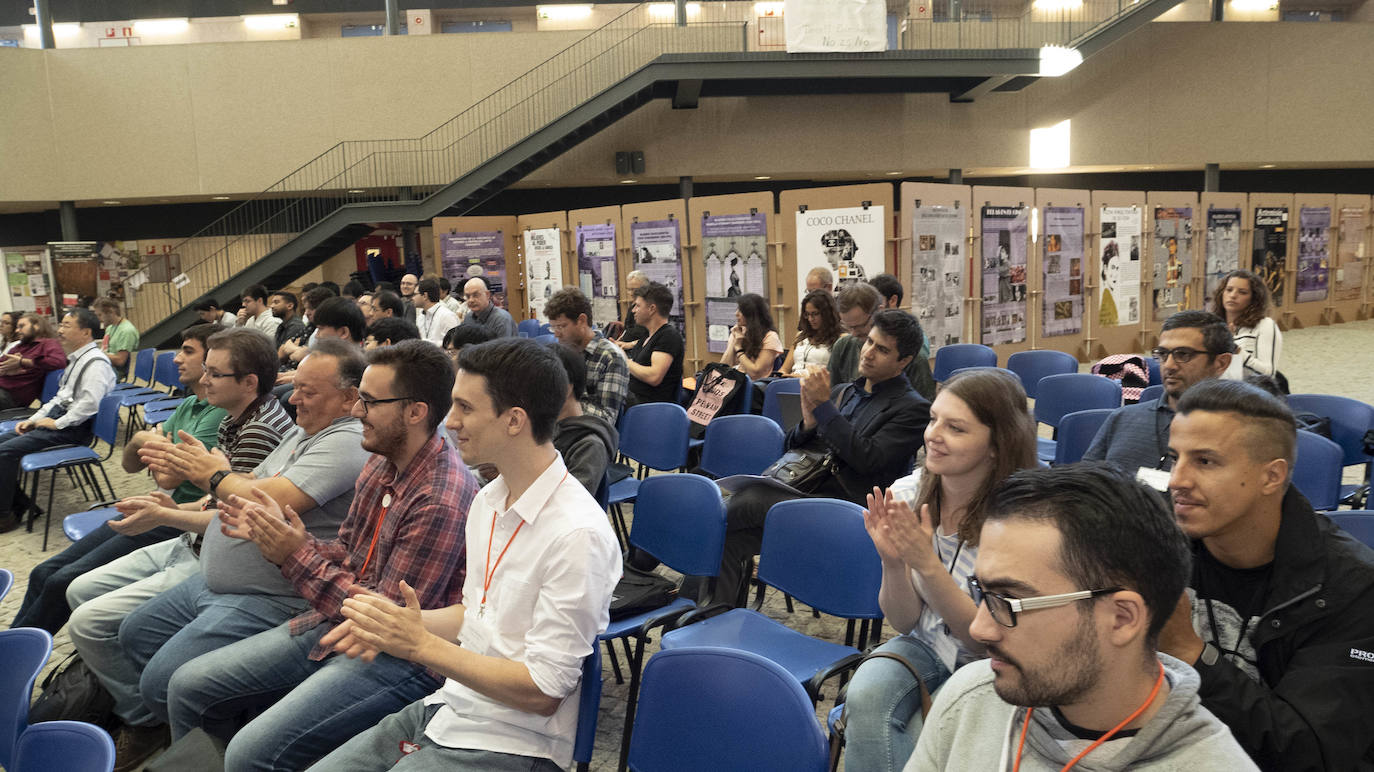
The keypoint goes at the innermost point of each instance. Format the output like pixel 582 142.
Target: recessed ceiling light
pixel 111 203
pixel 627 182
pixel 357 190
pixel 1267 166
pixel 894 174
pixel 219 198
pixel 763 177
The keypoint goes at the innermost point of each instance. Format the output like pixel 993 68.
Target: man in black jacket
pixel 1277 617
pixel 871 427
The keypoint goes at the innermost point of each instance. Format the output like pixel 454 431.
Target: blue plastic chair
pixel 6 582
pixel 770 398
pixel 653 434
pixel 1317 470
pixel 740 444
pixel 545 329
pixel 77 525
pixel 14 415
pixel 1076 433
pixel 165 371
pixel 155 413
pixel 71 746
pixel 1069 393
pixel 680 520
pixel 545 339
pixel 24 650
pixel 706 708
pixel 956 355
pixel 529 328
pixel 1151 393
pixel 1031 366
pixel 1356 522
pixel 588 706
pixel 51 382
pixel 80 458
pixel 1350 419
pixel 142 369
pixel 1156 377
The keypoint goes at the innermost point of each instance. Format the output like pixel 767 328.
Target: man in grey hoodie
pixel 588 442
pixel 1078 569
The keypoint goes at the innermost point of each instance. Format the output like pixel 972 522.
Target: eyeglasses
pixel 214 374
pixel 368 403
pixel 1180 355
pixel 1004 609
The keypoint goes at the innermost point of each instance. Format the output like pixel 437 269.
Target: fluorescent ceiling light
pixel 768 9
pixel 669 10
pixel 1057 5
pixel 1057 60
pixel 1254 5
pixel 65 29
pixel 1049 147
pixel 272 21
pixel 161 26
pixel 563 12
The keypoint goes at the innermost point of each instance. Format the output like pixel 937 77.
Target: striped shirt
pixel 248 439
pixel 608 379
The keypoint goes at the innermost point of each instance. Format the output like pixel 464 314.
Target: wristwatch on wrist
pixel 1209 655
pixel 216 478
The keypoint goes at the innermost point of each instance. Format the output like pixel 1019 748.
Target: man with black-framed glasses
pixel 1078 569
pixel 1194 346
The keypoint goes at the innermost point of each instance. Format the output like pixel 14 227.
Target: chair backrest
pixel 143 366
pixel 1356 522
pixel 165 371
pixel 956 355
pixel 71 746
pixel 1071 392
pixel 1317 470
pixel 740 444
pixel 107 420
pixel 1156 377
pixel 1031 366
pixel 529 326
pixel 1076 433
pixel 24 651
pixel 770 398
pixel 715 708
pixel 51 382
pixel 1151 393
pixel 6 582
pixel 588 705
pixel 680 519
pixel 545 339
pixel 1350 419
pixel 655 434
pixel 817 551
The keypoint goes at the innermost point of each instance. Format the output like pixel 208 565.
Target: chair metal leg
pixel 849 632
pixel 631 701
pixel 33 501
pixel 615 661
pixel 47 518
pixel 108 484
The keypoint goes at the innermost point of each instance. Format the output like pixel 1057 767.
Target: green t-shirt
pixel 201 420
pixel 122 337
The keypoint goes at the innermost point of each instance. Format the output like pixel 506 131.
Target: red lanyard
pixel 488 571
pixel 1159 681
pixel 386 504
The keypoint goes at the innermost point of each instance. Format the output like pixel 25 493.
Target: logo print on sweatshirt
pixel 1361 654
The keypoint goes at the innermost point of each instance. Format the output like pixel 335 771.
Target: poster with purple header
pixel 463 256
pixel 1004 230
pixel 1314 252
pixel 596 275
pixel 657 247
pixel 1063 271
pixel 733 248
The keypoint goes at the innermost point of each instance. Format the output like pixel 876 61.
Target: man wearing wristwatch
pixel 1276 617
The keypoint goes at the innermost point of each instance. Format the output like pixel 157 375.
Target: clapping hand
pixel 141 513
pixel 373 624
pixel 898 533
pixel 277 532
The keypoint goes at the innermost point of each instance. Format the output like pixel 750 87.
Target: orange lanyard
pixel 386 504
pixel 1159 681
pixel 488 571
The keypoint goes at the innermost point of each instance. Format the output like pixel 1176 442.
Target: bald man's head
pixel 476 294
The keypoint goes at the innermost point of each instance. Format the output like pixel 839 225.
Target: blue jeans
pixel 883 706
pixel 14 446
pixel 306 708
pixel 189 620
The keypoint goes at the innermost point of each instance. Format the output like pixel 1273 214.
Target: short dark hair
pixel 289 297
pixel 251 352
pixel 902 327
pixel 657 295
pixel 575 365
pixel 861 295
pixel 306 287
pixel 386 300
pixel 429 288
pixel 353 289
pixel 332 285
pixel 256 292
pixel 207 304
pixel 520 373
pixel 86 318
pixel 201 332
pixel 568 303
pixel 385 285
pixel 315 298
pixel 1114 532
pixel 107 305
pixel 1268 419
pixel 421 372
pixel 393 329
pixel 466 335
pixel 341 312
pixel 444 284
pixel 1216 336
pixel 887 285
pixel 349 358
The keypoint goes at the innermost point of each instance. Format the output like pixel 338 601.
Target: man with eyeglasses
pixel 608 378
pixel 405 524
pixel 484 313
pixel 857 304
pixel 1078 569
pixel 1194 346
pixel 408 284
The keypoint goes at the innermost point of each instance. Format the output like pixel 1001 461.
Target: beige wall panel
pixel 988 195
pixel 740 203
pixel 26 127
pixel 1111 123
pixel 1283 308
pixel 1357 307
pixel 933 194
pixel 1318 85
pixel 1073 343
pixel 1174 199
pixel 1121 338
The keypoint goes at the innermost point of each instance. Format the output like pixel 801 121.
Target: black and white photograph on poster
pixel 1004 230
pixel 1172 259
pixel 851 242
pixel 1063 270
pixel 544 267
pixel 938 270
pixel 733 248
pixel 1269 248
pixel 657 247
pixel 1223 250
pixel 1119 266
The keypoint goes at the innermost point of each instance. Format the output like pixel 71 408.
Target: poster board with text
pixel 594 238
pixel 735 239
pixel 1117 299
pixel 657 242
pixel 1059 300
pixel 1225 240
pixel 1351 275
pixel 485 246
pixel 935 261
pixel 1268 250
pixel 1174 231
pixel 1002 264
pixel 1314 220
pixel 545 263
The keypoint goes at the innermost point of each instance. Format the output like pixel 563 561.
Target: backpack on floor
pixel 72 692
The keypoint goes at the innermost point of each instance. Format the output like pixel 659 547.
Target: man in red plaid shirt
pixel 406 523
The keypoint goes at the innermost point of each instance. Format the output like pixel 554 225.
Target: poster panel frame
pixel 1122 338
pixel 934 194
pixel 516 301
pixel 1072 343
pixel 650 211
pixel 1282 312
pixel 538 221
pixel 601 215
pixel 1356 308
pixel 1175 199
pixel 996 195
pixel 1312 312
pixel 737 203
pixel 1208 201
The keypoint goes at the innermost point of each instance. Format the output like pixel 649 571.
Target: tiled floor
pixel 1335 360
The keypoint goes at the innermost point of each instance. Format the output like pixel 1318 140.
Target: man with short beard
pixel 1078 569
pixel 24 367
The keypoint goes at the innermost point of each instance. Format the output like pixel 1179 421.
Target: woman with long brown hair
pixel 817 330
pixel 980 432
pixel 754 343
pixel 1242 299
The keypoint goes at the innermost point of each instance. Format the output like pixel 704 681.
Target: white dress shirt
pixel 458 307
pixel 435 322
pixel 549 598
pixel 88 379
pixel 264 322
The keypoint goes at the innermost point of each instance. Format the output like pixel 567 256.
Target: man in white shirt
pixel 458 307
pixel 431 316
pixel 66 418
pixel 514 663
pixel 255 314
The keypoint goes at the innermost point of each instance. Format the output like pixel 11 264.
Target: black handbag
pixel 802 469
pixel 72 692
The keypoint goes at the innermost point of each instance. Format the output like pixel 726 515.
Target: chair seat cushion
pixel 619 628
pixel 78 525
pixel 52 459
pixel 1044 449
pixel 139 398
pixel 623 491
pixel 748 630
pixel 8 426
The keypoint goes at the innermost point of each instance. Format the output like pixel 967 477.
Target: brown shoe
pixel 136 744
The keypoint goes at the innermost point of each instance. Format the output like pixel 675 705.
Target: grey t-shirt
pixel 326 467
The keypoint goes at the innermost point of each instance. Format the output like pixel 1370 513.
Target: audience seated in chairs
pixel 1194 346
pixel 1276 618
pixel 857 305
pixel 432 317
pixel 511 648
pixel 587 442
pixel 405 524
pixel 979 433
pixel 65 419
pixel 120 341
pixel 35 353
pixel 285 306
pixel 655 362
pixel 870 427
pixel 608 379
pixel 1078 570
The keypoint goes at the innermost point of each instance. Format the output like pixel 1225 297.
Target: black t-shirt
pixel 1229 604
pixel 669 341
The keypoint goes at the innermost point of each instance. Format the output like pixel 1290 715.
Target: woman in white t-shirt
pixel 1242 299
pixel 817 330
pixel 979 433
pixel 754 343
